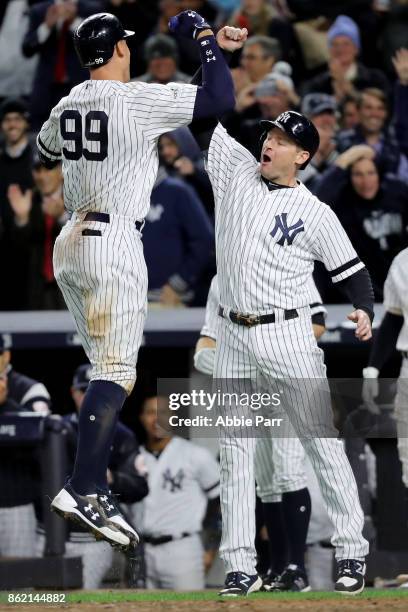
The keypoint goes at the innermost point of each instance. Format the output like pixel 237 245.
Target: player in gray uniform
pixel 279 469
pixel 105 133
pixel 393 333
pixel 183 483
pixel 269 231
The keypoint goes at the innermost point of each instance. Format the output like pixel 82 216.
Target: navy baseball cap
pixel 317 103
pixel 14 105
pixel 5 342
pixel 82 376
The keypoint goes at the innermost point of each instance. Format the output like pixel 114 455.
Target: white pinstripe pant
pixel 104 283
pixel 279 467
pixel 285 352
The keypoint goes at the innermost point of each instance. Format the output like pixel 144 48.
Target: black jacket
pixel 377 228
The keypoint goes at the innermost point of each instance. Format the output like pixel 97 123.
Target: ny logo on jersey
pixel 288 232
pixel 175 482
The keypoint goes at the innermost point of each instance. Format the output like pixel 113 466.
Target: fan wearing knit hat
pixel 345 74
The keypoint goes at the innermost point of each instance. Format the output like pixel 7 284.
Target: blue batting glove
pixel 188 24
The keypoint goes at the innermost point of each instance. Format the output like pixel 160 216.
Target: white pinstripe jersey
pixel 396 294
pixel 266 240
pixel 209 328
pixel 181 480
pixel 106 134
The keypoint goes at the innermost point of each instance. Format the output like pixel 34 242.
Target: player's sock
pixel 278 539
pixel 101 477
pixel 97 421
pixel 297 506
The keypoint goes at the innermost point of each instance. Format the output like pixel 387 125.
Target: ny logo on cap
pixel 284 117
pixel 288 231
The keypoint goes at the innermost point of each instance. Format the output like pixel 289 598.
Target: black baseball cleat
pixel 238 584
pixel 350 577
pixel 114 514
pixel 89 513
pixel 293 578
pixel 268 580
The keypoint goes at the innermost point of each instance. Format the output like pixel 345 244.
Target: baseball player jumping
pixel 105 132
pixel 269 231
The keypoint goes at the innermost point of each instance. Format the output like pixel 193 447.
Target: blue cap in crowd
pixel 344 26
pixel 82 377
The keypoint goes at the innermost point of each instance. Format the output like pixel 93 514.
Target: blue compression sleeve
pixel 216 94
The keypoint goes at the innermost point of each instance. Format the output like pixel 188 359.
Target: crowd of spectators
pixel 343 63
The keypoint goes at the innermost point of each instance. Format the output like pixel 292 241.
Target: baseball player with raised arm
pixel 279 469
pixel 393 333
pixel 269 231
pixel 105 132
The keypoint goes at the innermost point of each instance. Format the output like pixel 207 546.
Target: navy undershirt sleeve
pixel 215 95
pixel 359 290
pixel 385 340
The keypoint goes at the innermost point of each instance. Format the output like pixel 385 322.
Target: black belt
pixel 105 218
pixel 404 354
pixel 323 544
pixel 163 539
pixel 251 320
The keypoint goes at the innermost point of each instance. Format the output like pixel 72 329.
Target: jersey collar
pixel 273 186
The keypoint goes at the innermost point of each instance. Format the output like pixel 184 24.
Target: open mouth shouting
pixel 265 159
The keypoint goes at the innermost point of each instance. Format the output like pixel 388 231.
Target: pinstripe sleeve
pixel 224 154
pixel 333 247
pixel 209 328
pixel 48 140
pixel 160 108
pixel 392 298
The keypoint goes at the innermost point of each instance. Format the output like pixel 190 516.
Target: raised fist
pixel 231 39
pixel 188 24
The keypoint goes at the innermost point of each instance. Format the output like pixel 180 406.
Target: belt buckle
pixel 249 320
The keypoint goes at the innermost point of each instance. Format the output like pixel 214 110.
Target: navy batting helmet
pixel 299 128
pixel 95 39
